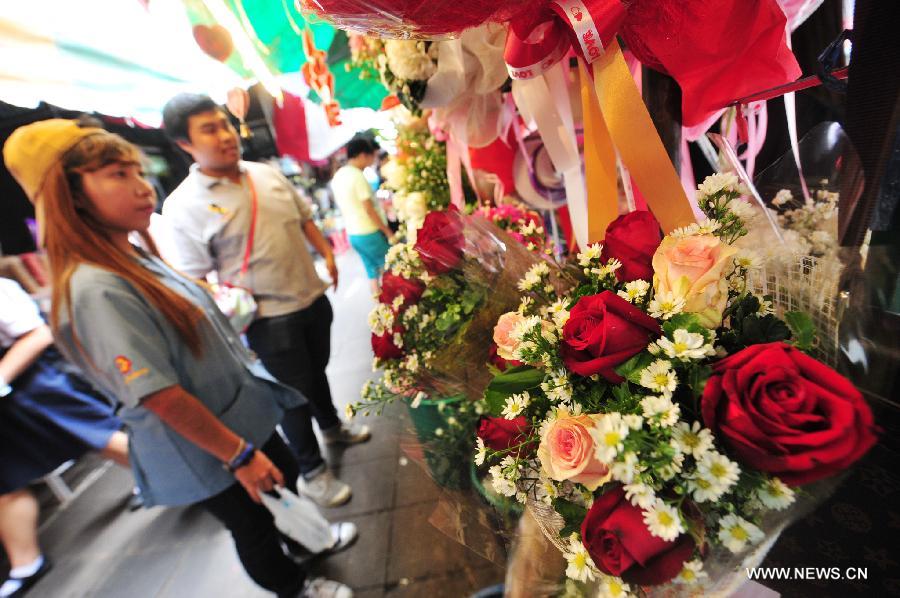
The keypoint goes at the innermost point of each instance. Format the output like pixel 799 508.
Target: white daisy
pixel 672 468
pixel 720 468
pixel 626 469
pixel 348 411
pixel 659 377
pixel 708 226
pixel 613 587
pixel 634 290
pixel 716 182
pixel 685 231
pixel 666 305
pixel 516 404
pixel 654 348
pixel 558 388
pixel 580 566
pixel 591 253
pixel 480 452
pixel 609 435
pixel 742 209
pixel 685 346
pixel 502 486
pixel 525 303
pixel 765 307
pixel 660 410
pixel 558 313
pixel 691 573
pixel 735 533
pixel 633 421
pixel 782 197
pixel 748 259
pixel 704 489
pixel 640 495
pixel 411 312
pixel 692 439
pixel 775 494
pixel 534 276
pixel 663 521
pixel 411 363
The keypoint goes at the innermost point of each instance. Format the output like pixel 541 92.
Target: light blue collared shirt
pixel 130 350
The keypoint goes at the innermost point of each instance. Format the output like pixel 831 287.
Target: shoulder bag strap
pixel 254 207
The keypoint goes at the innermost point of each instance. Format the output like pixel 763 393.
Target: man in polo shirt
pixel 209 215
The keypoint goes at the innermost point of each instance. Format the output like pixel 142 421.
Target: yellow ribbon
pixel 616 117
pixel 599 163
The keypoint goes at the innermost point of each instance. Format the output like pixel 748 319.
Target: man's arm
pixel 369 207
pixel 314 235
pixel 185 414
pixel 24 352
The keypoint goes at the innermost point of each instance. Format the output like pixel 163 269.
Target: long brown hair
pixel 73 237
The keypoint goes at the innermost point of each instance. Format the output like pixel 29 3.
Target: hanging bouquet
pixel 665 423
pixel 417 174
pixel 402 66
pixel 431 328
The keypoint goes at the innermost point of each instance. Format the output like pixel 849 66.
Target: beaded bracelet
pixel 242 458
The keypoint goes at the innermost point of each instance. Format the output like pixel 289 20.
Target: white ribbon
pixel 545 100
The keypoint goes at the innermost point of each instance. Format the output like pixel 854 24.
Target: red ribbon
pixel 538 41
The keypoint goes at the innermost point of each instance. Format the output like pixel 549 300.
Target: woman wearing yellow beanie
pixel 201 413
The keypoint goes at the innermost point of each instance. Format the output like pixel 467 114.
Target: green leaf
pixel 802 327
pixel 517 379
pixel 632 368
pixel 765 329
pixel 621 392
pixel 689 322
pixel 571 513
pixel 510 382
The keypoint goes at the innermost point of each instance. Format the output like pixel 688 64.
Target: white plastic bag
pixel 299 518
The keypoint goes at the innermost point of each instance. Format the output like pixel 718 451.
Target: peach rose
pixel 693 268
pixel 506 345
pixel 567 451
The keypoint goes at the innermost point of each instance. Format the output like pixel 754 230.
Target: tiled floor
pixel 101 549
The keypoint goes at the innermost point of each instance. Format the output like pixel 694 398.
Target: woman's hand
pixel 259 475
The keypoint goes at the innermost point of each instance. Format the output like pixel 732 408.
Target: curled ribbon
pixel 616 120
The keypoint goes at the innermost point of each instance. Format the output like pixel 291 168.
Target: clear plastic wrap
pixel 591 390
pixel 415 19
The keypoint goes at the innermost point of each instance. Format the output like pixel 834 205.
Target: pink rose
pixel 506 345
pixel 693 268
pixel 566 451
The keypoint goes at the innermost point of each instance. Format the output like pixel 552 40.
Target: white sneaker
pixel 347 433
pixel 319 587
pixel 325 489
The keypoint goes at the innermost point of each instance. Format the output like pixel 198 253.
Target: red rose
pixel 603 331
pixel 620 544
pixel 632 239
pixel 440 241
pixel 384 346
pixel 499 433
pixel 782 412
pixel 393 286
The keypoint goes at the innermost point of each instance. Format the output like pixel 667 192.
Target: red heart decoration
pixel 214 40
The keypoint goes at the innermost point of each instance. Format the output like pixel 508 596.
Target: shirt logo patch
pixel 218 209
pixel 123 364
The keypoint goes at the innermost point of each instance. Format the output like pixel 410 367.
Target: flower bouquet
pixel 666 422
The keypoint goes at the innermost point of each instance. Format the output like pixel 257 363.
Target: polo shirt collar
pixel 210 181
